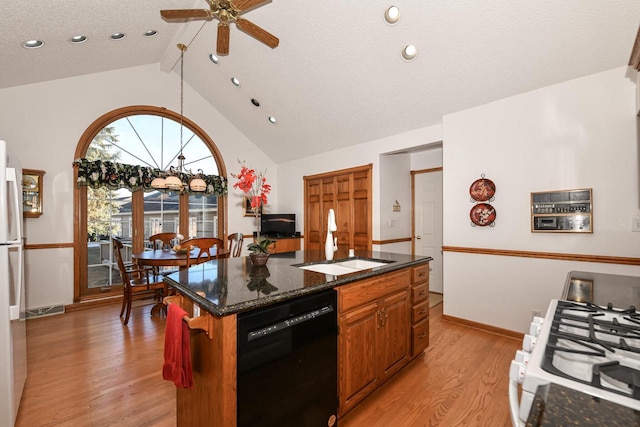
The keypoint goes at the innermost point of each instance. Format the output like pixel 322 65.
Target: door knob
pixel 418 237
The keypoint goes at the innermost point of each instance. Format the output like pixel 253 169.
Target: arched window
pixel 150 137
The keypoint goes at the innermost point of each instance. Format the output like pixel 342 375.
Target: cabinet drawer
pixel 421 274
pixel 420 311
pixel 419 293
pixel 420 337
pixel 355 294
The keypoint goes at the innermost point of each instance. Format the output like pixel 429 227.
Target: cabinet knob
pixel 422 335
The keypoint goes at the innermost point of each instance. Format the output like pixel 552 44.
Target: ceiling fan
pixel 226 11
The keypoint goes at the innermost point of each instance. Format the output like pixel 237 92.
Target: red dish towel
pixel 177 351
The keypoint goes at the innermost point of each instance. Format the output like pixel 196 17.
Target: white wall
pixel 430 158
pixel 577 134
pixel 43 123
pixel 395 185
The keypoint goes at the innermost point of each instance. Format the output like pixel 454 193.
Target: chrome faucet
pixel 331 244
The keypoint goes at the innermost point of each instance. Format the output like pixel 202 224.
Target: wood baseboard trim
pixel 484 328
pixel 389 241
pixel 93 303
pixel 603 259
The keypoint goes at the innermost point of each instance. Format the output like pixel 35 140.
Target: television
pixel 278 225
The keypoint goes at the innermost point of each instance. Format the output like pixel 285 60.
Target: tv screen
pixel 278 225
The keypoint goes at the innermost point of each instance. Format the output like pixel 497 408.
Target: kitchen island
pixel 384 303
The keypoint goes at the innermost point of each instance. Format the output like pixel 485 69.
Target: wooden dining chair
pixel 164 241
pixel 135 281
pixel 234 242
pixel 167 240
pixel 203 247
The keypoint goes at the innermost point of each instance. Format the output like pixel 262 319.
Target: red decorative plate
pixel 482 214
pixel 482 190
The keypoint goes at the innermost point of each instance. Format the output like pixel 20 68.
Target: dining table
pixel 169 258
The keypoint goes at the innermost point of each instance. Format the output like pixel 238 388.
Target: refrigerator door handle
pixel 14 310
pixel 17 205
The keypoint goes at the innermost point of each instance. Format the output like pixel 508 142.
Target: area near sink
pixel 342 267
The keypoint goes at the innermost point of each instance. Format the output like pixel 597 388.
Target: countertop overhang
pixel 232 285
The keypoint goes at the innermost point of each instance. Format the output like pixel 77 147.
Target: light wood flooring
pixel 87 369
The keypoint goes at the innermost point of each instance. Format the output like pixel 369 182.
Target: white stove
pixel 594 349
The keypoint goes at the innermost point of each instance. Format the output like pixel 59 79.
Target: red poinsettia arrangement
pixel 254 184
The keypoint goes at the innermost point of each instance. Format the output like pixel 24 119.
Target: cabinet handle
pixel 423 311
pixel 379 319
pixel 384 321
pixel 422 293
pixel 422 335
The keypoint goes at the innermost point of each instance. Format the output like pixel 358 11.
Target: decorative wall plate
pixel 482 214
pixel 482 190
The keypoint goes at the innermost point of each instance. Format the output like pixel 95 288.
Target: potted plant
pixel 254 185
pixel 259 250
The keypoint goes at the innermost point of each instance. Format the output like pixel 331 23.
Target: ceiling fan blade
pixel 222 46
pixel 258 33
pixel 246 5
pixel 185 13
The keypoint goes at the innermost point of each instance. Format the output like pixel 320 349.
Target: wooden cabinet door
pixel 394 337
pixel 357 350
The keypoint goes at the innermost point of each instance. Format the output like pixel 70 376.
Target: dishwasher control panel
pixel 287 323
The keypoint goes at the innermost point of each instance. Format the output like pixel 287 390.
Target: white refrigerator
pixel 13 340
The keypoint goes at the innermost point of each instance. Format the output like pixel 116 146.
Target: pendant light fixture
pixel 173 181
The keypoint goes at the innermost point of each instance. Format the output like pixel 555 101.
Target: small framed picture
pixel 247 208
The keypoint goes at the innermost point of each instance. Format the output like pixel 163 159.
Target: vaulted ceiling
pixel 337 77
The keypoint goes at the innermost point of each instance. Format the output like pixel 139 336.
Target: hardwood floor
pixel 87 369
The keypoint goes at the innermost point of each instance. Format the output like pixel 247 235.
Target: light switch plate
pixel 635 224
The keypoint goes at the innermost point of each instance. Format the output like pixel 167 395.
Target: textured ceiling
pixel 337 77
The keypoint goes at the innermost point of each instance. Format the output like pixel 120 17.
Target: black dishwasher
pixel 287 363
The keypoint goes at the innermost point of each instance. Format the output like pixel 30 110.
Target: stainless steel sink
pixel 343 267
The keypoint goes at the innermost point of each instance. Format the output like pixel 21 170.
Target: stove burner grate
pixel 596 333
pixel 623 374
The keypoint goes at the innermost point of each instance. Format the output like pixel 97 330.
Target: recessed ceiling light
pixel 272 120
pixel 78 39
pixel 235 81
pixel 33 44
pixel 392 15
pixel 117 36
pixel 150 33
pixel 255 102
pixel 409 52
pixel 214 58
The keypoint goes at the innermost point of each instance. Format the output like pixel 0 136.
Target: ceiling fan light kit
pixel 226 12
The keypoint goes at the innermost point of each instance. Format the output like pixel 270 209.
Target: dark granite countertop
pixel 233 285
pixel 555 405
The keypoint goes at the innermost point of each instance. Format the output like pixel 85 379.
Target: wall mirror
pixel 32 192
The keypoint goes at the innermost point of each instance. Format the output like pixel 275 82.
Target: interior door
pixel 427 239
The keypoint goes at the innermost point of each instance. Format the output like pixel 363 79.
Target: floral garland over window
pixel 114 175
